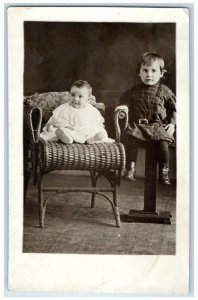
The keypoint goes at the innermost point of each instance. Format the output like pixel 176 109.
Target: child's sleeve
pixel 170 105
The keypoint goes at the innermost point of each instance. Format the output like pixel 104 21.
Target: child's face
pixel 150 74
pixel 79 96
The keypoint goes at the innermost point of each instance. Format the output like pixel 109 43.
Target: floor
pixel 72 226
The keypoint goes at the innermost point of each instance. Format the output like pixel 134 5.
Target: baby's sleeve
pixel 58 121
pixel 98 118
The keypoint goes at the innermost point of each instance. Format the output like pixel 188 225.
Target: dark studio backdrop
pixel 104 54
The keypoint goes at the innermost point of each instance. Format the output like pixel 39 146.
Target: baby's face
pixel 79 97
pixel 150 74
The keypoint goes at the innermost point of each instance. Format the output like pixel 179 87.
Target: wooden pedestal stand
pixel 149 214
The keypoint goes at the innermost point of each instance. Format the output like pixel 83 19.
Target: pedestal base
pixel 141 216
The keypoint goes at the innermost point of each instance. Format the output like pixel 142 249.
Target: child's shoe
pixel 163 175
pixel 130 174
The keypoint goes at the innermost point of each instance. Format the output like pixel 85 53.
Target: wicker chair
pixel 41 157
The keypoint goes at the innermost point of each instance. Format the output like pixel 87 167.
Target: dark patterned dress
pixel 151 108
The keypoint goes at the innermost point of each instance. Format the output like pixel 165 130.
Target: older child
pixel 77 120
pixel 152 115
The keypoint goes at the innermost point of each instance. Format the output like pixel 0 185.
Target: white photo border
pixel 22 272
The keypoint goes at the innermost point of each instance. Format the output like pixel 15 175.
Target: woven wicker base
pixel 98 157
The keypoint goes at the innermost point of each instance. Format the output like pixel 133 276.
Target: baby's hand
pixel 170 128
pixel 122 107
pixel 92 98
pixel 49 128
pixel 69 127
pixel 46 127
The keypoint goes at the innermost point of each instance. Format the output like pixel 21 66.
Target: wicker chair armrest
pixel 32 123
pixel 121 121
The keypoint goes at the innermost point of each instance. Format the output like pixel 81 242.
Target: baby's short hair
pixel 82 83
pixel 149 57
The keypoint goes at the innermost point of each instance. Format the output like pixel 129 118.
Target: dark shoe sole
pixel 165 182
pixel 128 179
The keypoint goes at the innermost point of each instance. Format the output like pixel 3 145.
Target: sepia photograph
pixel 99 145
pixel 121 68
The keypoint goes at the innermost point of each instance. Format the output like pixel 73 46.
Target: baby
pixel 77 120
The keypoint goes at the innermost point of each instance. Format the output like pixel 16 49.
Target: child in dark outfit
pixel 152 116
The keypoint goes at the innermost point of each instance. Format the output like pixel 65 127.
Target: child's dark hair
pixel 82 83
pixel 149 57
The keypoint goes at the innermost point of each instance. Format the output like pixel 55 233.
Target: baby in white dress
pixel 77 120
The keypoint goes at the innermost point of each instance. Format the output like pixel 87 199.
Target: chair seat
pixel 98 157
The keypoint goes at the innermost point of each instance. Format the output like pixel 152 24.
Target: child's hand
pixel 170 128
pixel 122 107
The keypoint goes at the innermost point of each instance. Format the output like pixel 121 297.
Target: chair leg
pixel 26 175
pixel 114 184
pixel 94 179
pixel 93 200
pixel 25 182
pixel 42 206
pixel 116 210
